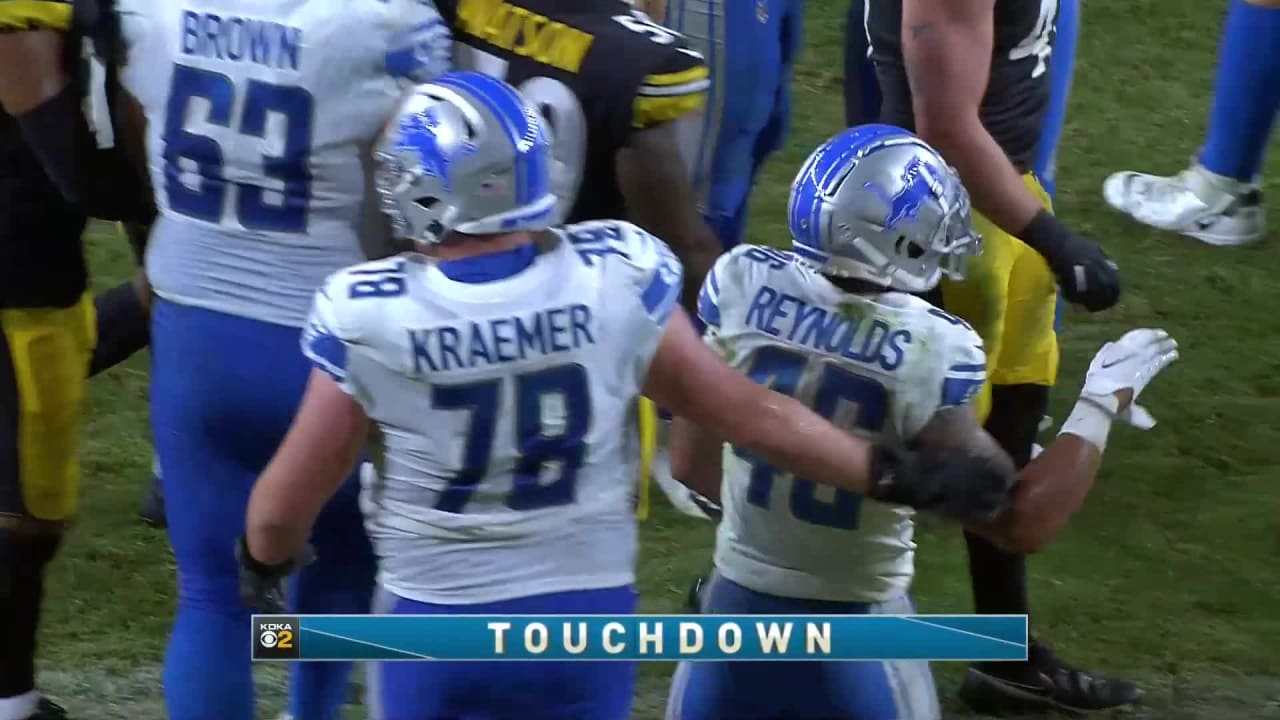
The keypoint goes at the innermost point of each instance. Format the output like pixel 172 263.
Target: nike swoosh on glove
pixel 1131 363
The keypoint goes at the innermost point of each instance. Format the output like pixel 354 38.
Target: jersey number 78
pixel 537 446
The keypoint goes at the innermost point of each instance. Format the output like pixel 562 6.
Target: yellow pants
pixel 44 359
pixel 1010 297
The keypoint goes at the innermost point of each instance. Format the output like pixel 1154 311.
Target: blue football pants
pixel 224 390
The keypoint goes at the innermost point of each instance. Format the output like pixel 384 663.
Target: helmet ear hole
pixel 906 247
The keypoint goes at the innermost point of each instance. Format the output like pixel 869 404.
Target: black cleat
pixel 693 601
pixel 151 511
pixel 49 710
pixel 1042 684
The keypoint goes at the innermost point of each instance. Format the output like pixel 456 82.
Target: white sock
pixel 20 707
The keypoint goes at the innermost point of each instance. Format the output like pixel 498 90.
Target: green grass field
pixel 1168 576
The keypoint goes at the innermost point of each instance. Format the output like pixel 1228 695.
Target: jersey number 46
pixel 848 400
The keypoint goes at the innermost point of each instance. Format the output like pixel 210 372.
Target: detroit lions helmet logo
pixel 434 140
pixel 920 182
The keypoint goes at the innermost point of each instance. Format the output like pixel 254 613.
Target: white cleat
pixel 1197 203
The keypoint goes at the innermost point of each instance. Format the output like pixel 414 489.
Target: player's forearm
pixel 316 456
pixel 653 175
pixel 1050 490
pixel 946 47
pixel 697 385
pixel 789 435
pixel 994 184
pixel 696 458
pixel 286 501
pixel 280 516
pixel 698 249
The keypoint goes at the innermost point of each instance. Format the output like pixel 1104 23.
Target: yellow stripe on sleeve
pixel 18 15
pixel 663 97
pixel 693 74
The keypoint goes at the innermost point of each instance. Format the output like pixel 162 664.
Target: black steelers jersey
pixel 600 72
pixel 1018 89
pixel 41 254
pixel 41 260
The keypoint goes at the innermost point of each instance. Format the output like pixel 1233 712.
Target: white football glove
pixel 1130 362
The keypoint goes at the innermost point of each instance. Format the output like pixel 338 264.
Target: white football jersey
pixel 879 364
pixel 508 410
pixel 261 114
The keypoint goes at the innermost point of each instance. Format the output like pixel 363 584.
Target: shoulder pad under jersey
pixel 633 261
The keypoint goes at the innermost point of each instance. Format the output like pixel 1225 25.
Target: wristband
pixel 1091 419
pixel 1045 234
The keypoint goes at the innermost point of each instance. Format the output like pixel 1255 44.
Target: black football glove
pixel 262 585
pixel 946 482
pixel 1086 275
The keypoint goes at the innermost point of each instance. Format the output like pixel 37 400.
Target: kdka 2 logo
pixel 275 637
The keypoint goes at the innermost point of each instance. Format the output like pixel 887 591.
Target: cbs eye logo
pixel 282 639
pixel 275 638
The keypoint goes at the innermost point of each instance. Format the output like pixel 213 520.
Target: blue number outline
pixel 483 400
pixel 384 280
pixel 187 84
pixel 776 259
pixel 781 370
pixel 292 168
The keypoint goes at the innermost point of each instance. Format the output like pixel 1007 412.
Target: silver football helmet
pixel 878 204
pixel 464 152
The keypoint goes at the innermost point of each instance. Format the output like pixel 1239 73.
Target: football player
pixel 1218 200
pixel 505 373
pixel 628 132
pixel 751 48
pixel 876 217
pixel 862 91
pixel 259 121
pixel 972 77
pixel 56 168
